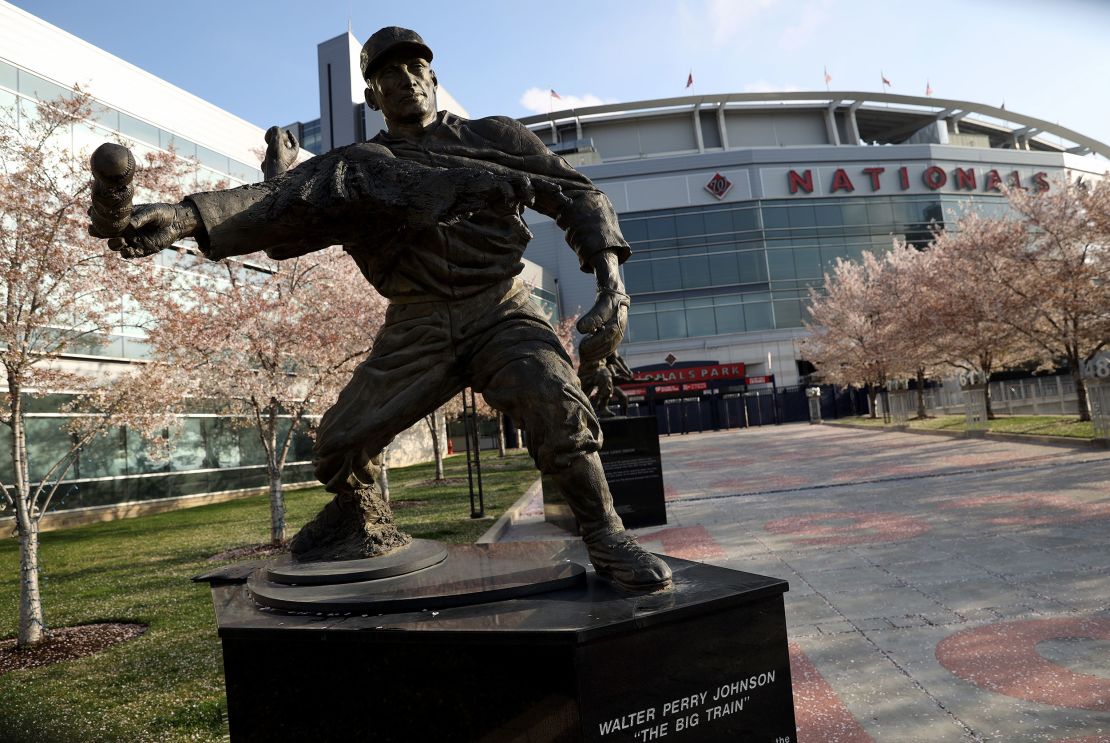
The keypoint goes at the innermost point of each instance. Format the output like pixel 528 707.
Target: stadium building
pixel 735 205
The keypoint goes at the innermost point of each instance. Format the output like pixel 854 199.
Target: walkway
pixel 940 589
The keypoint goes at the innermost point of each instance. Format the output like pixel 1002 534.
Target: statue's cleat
pixel 619 558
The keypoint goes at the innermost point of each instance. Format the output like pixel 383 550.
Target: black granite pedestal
pixel 704 661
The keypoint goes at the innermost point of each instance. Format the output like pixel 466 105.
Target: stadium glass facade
pixel 706 271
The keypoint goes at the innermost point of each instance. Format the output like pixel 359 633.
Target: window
pixel 634 230
pixel 718 222
pixel 801 216
pixel 745 220
pixel 244 172
pixel 879 212
pixel 807 263
pixel 757 316
pixel 665 272
pixel 213 159
pixel 43 90
pixel 827 215
pixel 753 266
pixel 723 268
pixel 106 116
pixel 8 106
pixel 671 317
pixel 729 315
pixel 855 217
pixel 776 218
pixel 642 326
pixel 637 277
pixel 781 264
pixel 8 76
pixel 700 318
pixel 179 145
pixel 788 313
pixel 695 271
pixel 139 130
pixel 690 229
pixel 661 232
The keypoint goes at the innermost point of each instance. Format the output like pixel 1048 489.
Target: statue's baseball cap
pixel 387 41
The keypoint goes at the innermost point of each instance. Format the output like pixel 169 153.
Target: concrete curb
pixel 511 515
pixel 1028 438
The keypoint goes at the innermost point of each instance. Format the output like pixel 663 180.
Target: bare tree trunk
pixel 1082 404
pixel 32 623
pixel 274 464
pixel 921 412
pixel 437 451
pixel 986 365
pixel 500 434
pixel 277 507
pixel 383 480
pixel 872 399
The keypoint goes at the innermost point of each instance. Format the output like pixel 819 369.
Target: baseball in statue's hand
pixel 282 149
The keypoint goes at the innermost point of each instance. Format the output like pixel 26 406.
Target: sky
pixel 258 59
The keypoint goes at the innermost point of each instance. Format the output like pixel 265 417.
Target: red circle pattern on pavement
pixel 1003 658
pixel 848 527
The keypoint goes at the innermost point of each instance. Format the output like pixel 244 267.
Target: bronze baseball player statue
pixel 430 211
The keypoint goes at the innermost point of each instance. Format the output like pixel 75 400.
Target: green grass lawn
pixel 1043 425
pixel 168 684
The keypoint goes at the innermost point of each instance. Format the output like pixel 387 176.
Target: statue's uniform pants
pixel 498 343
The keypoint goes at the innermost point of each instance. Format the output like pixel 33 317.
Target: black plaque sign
pixel 634 470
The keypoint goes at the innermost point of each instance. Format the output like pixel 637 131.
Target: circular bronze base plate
pixel 471 574
pixel 417 555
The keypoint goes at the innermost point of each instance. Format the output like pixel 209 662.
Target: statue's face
pixel 405 90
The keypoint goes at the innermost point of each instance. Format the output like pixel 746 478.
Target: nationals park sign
pixel 705 373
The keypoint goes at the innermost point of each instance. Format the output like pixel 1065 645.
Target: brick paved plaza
pixel 940 589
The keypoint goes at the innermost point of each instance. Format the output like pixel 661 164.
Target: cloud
pixel 762 86
pixel 540 100
pixel 728 17
pixel 796 36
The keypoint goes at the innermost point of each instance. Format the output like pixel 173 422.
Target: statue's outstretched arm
pixel 341 197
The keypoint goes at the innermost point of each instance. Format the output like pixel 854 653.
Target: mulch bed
pixel 249 552
pixel 67 643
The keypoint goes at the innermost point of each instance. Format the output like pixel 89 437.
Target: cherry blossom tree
pixel 912 330
pixel 61 293
pixel 270 344
pixel 961 271
pixel 851 336
pixel 566 331
pixel 1055 284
